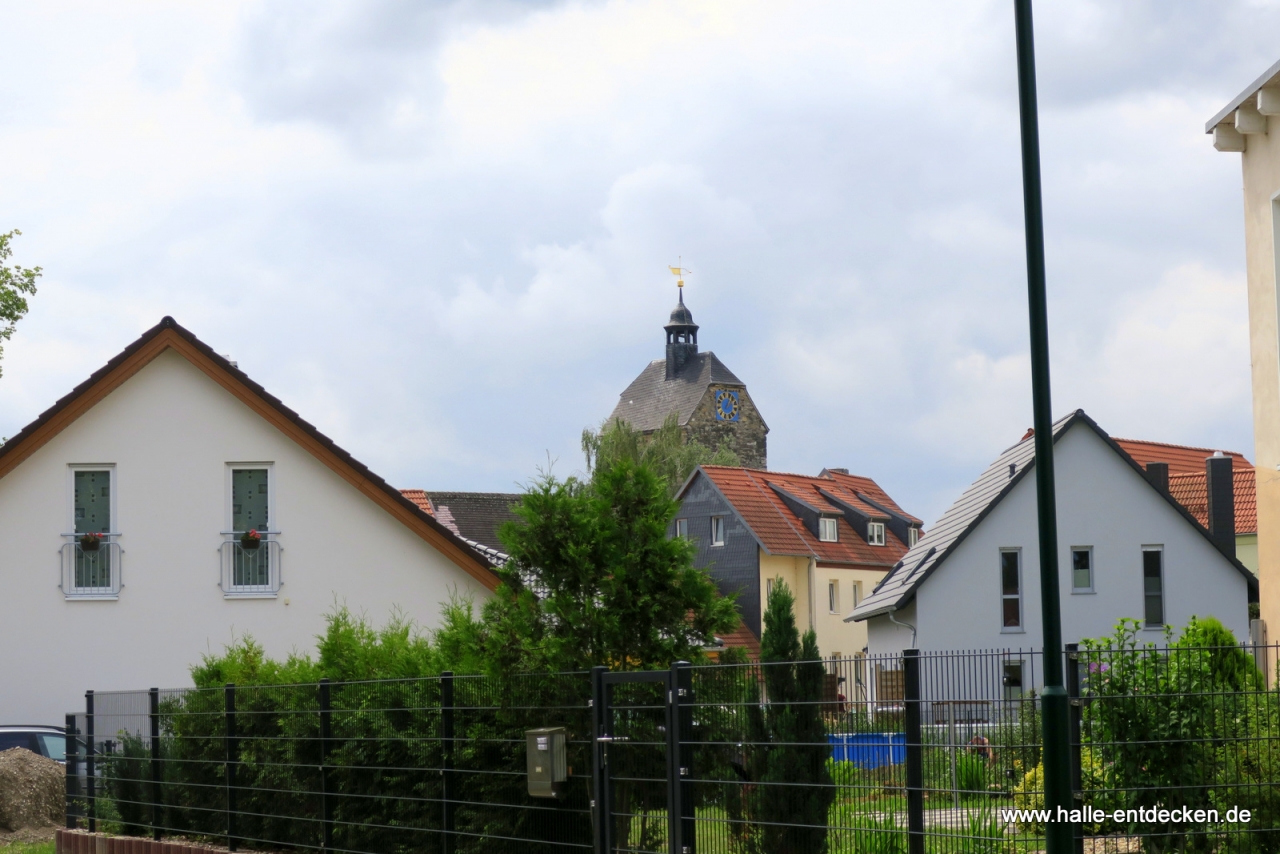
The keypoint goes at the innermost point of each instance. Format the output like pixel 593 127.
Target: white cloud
pixel 440 230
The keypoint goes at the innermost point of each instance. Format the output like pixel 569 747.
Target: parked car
pixel 50 741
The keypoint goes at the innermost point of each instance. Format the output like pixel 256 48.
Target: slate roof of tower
pixel 650 398
pixel 779 531
pixel 982 496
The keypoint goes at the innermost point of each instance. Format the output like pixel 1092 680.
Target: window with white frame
pixel 251 549
pixel 828 531
pixel 913 536
pixel 857 592
pixel 768 591
pixel 717 530
pixel 833 596
pixel 1082 569
pixel 875 533
pixel 91 552
pixel 1153 586
pixel 682 528
pixel 1011 590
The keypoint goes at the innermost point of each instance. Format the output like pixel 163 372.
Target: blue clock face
pixel 726 405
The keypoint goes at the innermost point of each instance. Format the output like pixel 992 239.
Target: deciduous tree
pixel 16 284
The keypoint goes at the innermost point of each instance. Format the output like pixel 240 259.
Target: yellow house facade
pixel 1246 125
pixel 831 538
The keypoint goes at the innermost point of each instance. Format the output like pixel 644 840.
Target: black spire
pixel 682 338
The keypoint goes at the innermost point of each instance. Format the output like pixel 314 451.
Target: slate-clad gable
pixel 735 566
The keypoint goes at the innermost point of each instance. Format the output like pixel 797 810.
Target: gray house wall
pixel 735 566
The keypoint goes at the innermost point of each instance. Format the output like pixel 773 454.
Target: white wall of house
pixel 170 431
pixel 1102 503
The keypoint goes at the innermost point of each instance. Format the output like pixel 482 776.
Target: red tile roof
pixel 419 497
pixel 742 637
pixel 1191 492
pixel 1181 458
pixel 782 532
pixel 1187 479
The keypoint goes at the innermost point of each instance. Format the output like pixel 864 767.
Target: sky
pixel 441 232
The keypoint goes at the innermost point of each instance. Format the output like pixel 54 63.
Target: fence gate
pixel 643 723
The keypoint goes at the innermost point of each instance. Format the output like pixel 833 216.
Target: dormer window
pixel 913 536
pixel 827 530
pixel 875 533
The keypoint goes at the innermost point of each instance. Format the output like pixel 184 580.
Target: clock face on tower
pixel 726 405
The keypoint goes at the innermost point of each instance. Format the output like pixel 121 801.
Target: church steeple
pixel 682 337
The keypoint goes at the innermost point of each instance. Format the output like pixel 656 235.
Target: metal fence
pixel 924 752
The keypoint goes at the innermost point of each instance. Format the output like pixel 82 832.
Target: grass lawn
pixel 27 848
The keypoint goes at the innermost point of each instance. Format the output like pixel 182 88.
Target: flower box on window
pixel 250 540
pixel 90 542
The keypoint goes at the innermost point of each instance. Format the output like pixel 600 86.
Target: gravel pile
pixel 32 790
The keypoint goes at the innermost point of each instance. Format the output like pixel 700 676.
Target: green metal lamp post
pixel 1053 701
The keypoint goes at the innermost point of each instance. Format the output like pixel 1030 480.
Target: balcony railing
pixel 91 573
pixel 250 572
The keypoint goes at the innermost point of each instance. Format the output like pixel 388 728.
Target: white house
pixel 171 453
pixel 1126 549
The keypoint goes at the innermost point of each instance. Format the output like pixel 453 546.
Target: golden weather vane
pixel 679 272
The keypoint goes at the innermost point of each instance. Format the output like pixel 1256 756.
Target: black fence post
pixel 447 794
pixel 233 758
pixel 915 752
pixel 600 812
pixel 1075 712
pixel 156 820
pixel 684 829
pixel 326 805
pixel 73 770
pixel 90 783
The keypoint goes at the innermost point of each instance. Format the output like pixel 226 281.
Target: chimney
pixel 1220 485
pixel 1158 475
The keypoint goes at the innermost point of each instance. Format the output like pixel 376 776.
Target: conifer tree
pixel 793 790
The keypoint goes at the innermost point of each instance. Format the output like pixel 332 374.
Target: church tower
pixel 682 338
pixel 711 405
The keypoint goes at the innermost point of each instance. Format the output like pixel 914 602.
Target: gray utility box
pixel 548 770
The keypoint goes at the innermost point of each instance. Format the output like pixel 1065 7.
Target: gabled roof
pixel 1191 491
pixel 1187 478
pixel 168 335
pixel 1267 77
pixel 1182 459
pixel 744 638
pixel 974 505
pixel 755 496
pixel 475 516
pixel 651 397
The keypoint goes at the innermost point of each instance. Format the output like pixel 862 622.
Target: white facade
pixel 1103 505
pixel 169 435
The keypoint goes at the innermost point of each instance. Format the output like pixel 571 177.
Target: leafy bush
pixel 973 773
pixel 1162 721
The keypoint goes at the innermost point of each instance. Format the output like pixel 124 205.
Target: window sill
pixel 249 594
pixel 1012 631
pixel 91 597
pixel 1083 592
